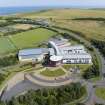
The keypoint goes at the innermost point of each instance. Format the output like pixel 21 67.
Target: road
pixel 19 89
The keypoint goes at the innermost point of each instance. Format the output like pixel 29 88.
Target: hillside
pixel 90 23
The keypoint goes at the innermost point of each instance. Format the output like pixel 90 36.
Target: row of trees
pixel 100 45
pixel 8 60
pixel 5 24
pixel 50 96
pixel 92 71
pixel 90 19
pixel 84 104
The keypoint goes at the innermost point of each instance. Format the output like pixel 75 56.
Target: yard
pixel 52 73
pixel 31 38
pixel 100 92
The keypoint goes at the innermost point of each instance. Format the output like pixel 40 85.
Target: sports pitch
pixel 31 38
pixel 24 40
pixel 6 46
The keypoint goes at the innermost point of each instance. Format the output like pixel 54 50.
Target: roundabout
pixel 41 77
pixel 24 81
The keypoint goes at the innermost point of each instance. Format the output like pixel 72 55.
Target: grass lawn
pixel 52 73
pixel 73 42
pixel 6 46
pixel 31 38
pixel 100 92
pixel 82 67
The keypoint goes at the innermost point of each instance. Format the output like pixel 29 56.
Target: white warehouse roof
pixel 36 51
pixel 75 47
pixel 77 56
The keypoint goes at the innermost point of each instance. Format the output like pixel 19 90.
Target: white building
pixel 70 54
pixel 60 51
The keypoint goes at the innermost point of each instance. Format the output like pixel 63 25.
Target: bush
pixel 92 71
pixel 100 45
pixel 8 60
pixel 51 96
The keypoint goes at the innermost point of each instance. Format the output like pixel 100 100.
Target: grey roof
pixel 59 42
pixel 75 56
pixel 51 51
pixel 36 51
pixel 75 47
pixel 29 56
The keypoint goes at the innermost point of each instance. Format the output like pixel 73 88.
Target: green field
pixel 24 40
pixel 100 92
pixel 91 29
pixel 52 73
pixel 6 46
pixel 31 38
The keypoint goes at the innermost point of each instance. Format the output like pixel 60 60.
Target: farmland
pixel 66 18
pixel 22 26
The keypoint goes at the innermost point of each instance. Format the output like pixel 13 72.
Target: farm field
pixel 22 26
pixel 64 13
pixel 31 38
pixel 91 29
pixel 6 46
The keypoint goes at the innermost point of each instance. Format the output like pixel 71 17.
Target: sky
pixel 83 3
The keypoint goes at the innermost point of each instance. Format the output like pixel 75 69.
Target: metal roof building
pixel 71 54
pixel 32 54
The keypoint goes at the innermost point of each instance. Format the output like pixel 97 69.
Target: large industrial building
pixel 32 55
pixel 60 51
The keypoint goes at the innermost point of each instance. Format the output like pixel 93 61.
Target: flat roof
pixel 86 55
pixel 36 51
pixel 77 47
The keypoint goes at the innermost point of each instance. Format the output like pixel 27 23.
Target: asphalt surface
pixel 19 88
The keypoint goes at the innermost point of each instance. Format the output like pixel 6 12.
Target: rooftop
pixel 56 58
pixel 77 56
pixel 36 51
